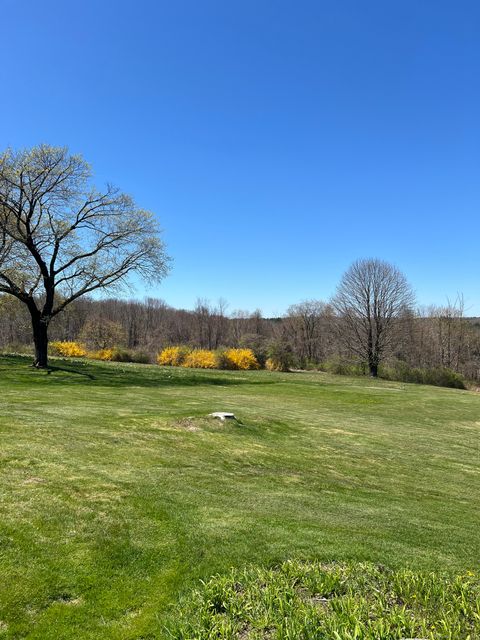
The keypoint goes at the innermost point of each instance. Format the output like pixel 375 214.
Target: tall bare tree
pixel 370 300
pixel 60 238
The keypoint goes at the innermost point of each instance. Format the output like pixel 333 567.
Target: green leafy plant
pixel 314 601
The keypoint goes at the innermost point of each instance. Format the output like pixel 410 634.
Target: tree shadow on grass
pixel 51 370
pixel 83 372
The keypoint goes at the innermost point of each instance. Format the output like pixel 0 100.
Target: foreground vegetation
pixel 311 601
pixel 119 495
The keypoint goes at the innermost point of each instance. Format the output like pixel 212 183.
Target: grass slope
pixel 117 495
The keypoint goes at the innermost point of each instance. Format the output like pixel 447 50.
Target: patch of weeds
pixel 313 601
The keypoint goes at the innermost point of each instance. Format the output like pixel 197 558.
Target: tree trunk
pixel 40 339
pixel 373 366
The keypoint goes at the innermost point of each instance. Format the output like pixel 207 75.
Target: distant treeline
pixel 429 342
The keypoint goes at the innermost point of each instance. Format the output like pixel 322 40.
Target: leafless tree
pixel 370 300
pixel 14 322
pixel 305 327
pixel 238 326
pixel 446 336
pixel 99 332
pixel 60 238
pixel 211 323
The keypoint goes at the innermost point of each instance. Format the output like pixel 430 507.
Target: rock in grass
pixel 222 415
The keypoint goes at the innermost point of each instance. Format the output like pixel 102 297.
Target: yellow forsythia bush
pixel 200 359
pixel 241 359
pixel 69 349
pixel 271 365
pixel 173 356
pixel 102 354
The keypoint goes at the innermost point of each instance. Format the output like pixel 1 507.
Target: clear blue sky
pixel 277 141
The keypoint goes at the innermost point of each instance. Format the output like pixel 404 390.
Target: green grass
pixel 117 495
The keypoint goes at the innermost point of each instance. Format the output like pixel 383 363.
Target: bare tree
pixel 370 300
pixel 99 332
pixel 14 322
pixel 446 335
pixel 238 323
pixel 304 324
pixel 60 238
pixel 211 323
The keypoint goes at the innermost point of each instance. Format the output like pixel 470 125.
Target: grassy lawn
pixel 117 495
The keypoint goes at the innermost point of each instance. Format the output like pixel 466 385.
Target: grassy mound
pixel 313 601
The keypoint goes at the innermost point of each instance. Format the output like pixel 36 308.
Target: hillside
pixel 118 494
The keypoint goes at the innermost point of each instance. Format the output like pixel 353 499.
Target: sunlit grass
pixel 118 495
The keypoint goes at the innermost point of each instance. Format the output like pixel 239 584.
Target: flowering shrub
pixel 181 356
pixel 102 354
pixel 200 359
pixel 241 359
pixel 271 365
pixel 116 354
pixel 173 356
pixel 68 349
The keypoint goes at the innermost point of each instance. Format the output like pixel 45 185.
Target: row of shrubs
pixel 398 371
pixel 178 356
pixel 440 377
pixel 114 354
pixel 243 359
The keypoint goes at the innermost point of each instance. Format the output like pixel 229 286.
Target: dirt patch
pixel 244 633
pixel 67 598
pixel 33 480
pixel 314 599
pixel 187 424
